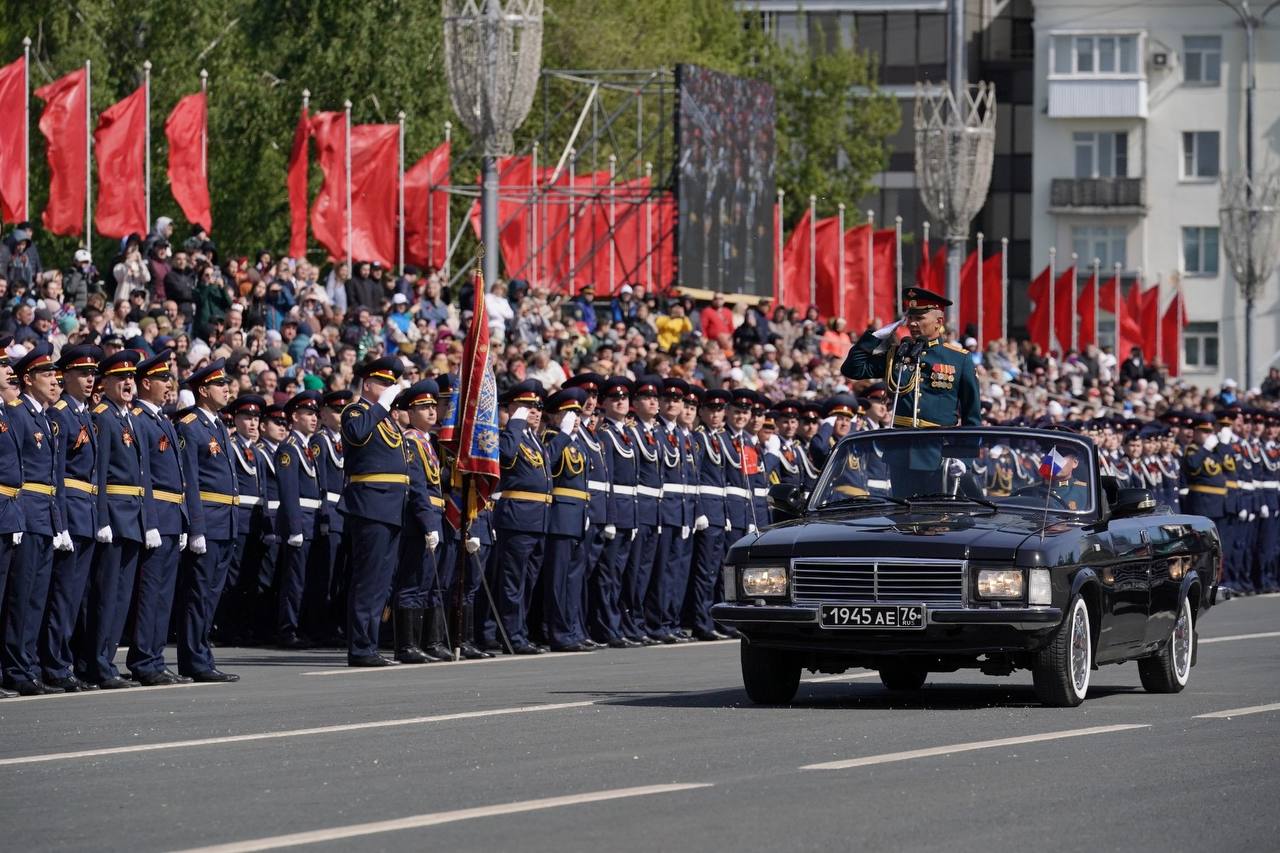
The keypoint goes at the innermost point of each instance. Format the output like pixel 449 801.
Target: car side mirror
pixel 787 501
pixel 1130 502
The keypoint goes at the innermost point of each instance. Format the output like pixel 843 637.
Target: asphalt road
pixel 655 750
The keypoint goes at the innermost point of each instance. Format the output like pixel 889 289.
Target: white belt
pixel 310 503
pixel 762 493
pixel 1247 485
pixel 714 491
pixel 1184 492
pixel 273 504
pixel 735 492
pixel 649 491
pixel 1271 484
pixel 675 489
pixel 598 485
pixel 332 497
pixel 624 490
pixel 878 484
pixel 249 500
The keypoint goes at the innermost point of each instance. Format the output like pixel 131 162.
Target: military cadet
pixel 326 598
pixel 758 476
pixel 376 463
pixel 1206 480
pixel 810 420
pixel 273 429
pixel 240 599
pixel 711 522
pixel 669 581
pixel 301 496
pixel 783 457
pixel 1269 536
pixel 11 522
pixel 567 523
pixel 605 583
pixel 598 477
pixel 1230 529
pixel 211 503
pixel 643 550
pixel 165 514
pixel 741 459
pixel 837 422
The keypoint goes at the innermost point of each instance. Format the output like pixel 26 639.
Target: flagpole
pixel 981 294
pixel 813 261
pixel 871 267
pixel 1075 320
pixel 400 199
pixel 1053 286
pixel 346 168
pixel 26 126
pixel 88 158
pixel 613 217
pixel 1119 315
pixel 839 306
pixel 648 227
pixel 1097 316
pixel 573 217
pixel 146 136
pixel 444 261
pixel 531 263
pixel 781 250
pixel 204 132
pixel 897 260
pixel 1159 353
pixel 1004 289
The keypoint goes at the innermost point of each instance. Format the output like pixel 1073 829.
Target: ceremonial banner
pixel 122 192
pixel 13 161
pixel 476 436
pixel 186 128
pixel 66 132
pixel 297 183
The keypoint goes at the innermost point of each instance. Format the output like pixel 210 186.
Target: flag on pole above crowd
pixel 187 129
pixel 120 142
pixel 64 123
pixel 13 153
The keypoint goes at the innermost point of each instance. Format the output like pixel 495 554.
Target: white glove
pixel 728 525
pixel 520 414
pixel 885 331
pixel 1225 435
pixel 197 545
pixel 1265 512
pixel 62 542
pixel 473 545
pixel 152 539
pixel 182 541
pixel 1252 517
pixel 1211 442
pixel 294 541
pixel 610 531
pixel 1243 515
pixel 996 452
pixel 104 535
pixel 17 538
pixel 389 396
pixel 659 529
pixel 634 531
pixel 568 422
pixel 829 420
pixel 684 531
pixel 433 540
pixel 700 523
pixel 955 468
pixel 752 530
pixel 773 445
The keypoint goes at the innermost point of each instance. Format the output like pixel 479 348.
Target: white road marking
pixel 1239 712
pixel 288 733
pixel 420 821
pixel 125 692
pixel 891 757
pixel 844 676
pixel 1263 636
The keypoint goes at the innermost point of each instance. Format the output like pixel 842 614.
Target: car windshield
pixel 988 469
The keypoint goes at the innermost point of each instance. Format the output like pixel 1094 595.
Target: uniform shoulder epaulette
pixel 188 419
pixel 354 408
pixel 60 405
pixel 100 408
pixel 136 410
pixel 16 401
pixel 952 345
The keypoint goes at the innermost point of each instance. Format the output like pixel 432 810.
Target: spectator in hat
pixel 623 307
pixel 130 271
pixel 585 302
pixel 80 279
pixel 19 262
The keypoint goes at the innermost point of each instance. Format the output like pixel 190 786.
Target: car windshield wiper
pixel 947 496
pixel 860 499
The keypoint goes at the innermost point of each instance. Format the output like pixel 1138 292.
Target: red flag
pixel 826 272
pixel 932 272
pixel 187 129
pixel 122 192
pixel 66 136
pixel 1172 323
pixel 297 183
pixel 13 153
pixel 375 155
pixel 328 211
pixel 1064 305
pixel 857 308
pixel 1134 336
pixel 992 300
pixel 795 265
pixel 1038 320
pixel 777 262
pixel 426 209
pixel 968 307
pixel 1150 318
pixel 1128 332
pixel 1088 317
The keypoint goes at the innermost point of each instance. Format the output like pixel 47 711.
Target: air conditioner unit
pixel 1160 60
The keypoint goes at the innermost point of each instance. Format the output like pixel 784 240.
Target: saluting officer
pixel 240 593
pixel 377 468
pixel 712 521
pixel 211 502
pixel 301 504
pixel 70 582
pixel 1205 478
pixel 567 523
pixel 11 522
pixel 165 512
pixel 327 602
pixel 671 567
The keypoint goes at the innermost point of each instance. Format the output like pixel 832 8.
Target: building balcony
pixel 1097 97
pixel 1117 196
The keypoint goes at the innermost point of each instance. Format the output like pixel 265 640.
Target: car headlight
pixel 769 580
pixel 1039 590
pixel 1000 583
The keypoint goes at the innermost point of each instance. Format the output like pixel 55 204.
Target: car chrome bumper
pixel 1032 618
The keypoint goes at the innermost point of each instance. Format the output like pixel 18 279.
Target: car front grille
pixel 835 581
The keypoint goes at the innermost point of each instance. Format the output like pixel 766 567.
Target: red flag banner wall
pixel 121 207
pixel 795 265
pixel 375 165
pixel 66 136
pixel 1088 317
pixel 992 300
pixel 328 211
pixel 857 306
pixel 13 160
pixel 1150 301
pixel 1128 330
pixel 1038 319
pixel 187 129
pixel 1172 324
pixel 426 209
pixel 826 247
pixel 1064 316
pixel 297 184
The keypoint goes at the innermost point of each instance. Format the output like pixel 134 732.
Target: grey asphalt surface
pixel 659 716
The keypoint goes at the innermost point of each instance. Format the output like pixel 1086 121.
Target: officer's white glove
pixel 684 531
pixel 700 523
pixel 197 545
pixel 1225 435
pixel 473 545
pixel 634 531
pixel 885 331
pixel 610 531
pixel 773 445
pixel 1211 442
pixel 104 535
pixel 433 540
pixel 152 539
pixel 728 525
pixel 752 530
pixel 182 541
pixel 17 538
pixel 1243 515
pixel 955 468
pixel 568 422
pixel 829 420
pixel 389 396
pixel 520 414
pixel 1265 511
pixel 62 542
pixel 294 541
pixel 1252 517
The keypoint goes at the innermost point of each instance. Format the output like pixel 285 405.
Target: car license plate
pixel 890 616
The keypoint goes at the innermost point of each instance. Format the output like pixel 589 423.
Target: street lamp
pixel 1249 216
pixel 493 56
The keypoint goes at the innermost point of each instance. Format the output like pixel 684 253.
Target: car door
pixel 1126 589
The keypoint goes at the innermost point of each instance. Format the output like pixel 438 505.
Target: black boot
pixel 408 625
pixel 435 647
pixel 468 650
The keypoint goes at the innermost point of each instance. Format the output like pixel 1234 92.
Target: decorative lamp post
pixel 1249 215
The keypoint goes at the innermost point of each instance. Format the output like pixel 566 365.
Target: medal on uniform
pixel 163 443
pixel 214 447
pixel 39 438
pixel 82 438
pixel 4 427
pixel 127 438
pixel 248 453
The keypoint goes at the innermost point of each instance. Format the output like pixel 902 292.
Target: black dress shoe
pixel 649 641
pixel 668 639
pixel 572 647
pixel 214 676
pixel 30 688
pixel 154 679
pixel 115 683
pixel 178 679
pixel 70 684
pixel 622 643
pixel 704 637
pixel 527 649
pixel 593 645
pixel 86 686
pixel 5 693
pixel 293 641
pixel 369 661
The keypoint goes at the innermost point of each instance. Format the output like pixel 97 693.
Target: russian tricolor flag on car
pixel 1052 464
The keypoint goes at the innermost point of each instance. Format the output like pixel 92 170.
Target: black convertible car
pixel 994 549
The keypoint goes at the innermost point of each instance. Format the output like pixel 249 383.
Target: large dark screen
pixel 724 134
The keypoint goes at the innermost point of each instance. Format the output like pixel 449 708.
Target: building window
pixel 1200 346
pixel 1202 60
pixel 1200 154
pixel 1102 155
pixel 1200 251
pixel 1104 242
pixel 1095 55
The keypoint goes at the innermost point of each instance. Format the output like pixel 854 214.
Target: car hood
pixel 933 533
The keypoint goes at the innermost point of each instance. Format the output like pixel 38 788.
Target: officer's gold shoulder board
pixel 952 345
pixel 189 418
pixel 100 408
pixel 136 410
pixel 60 405
pixel 15 402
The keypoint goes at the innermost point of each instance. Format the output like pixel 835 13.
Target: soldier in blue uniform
pixel 273 429
pixel 165 512
pixel 301 508
pixel 70 582
pixel 837 422
pixel 520 517
pixel 712 521
pixel 598 486
pixel 11 522
pixel 1230 529
pixel 326 599
pixel 377 484
pixel 741 459
pixel 1206 480
pixel 645 542
pixel 670 578
pixel 42 511
pixel 240 593
pixel 211 503
pixel 567 522
pixel 605 583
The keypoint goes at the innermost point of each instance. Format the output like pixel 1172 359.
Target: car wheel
pixel 903 677
pixel 1169 670
pixel 770 676
pixel 1062 668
